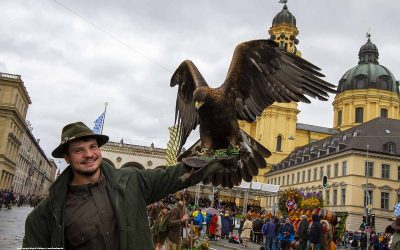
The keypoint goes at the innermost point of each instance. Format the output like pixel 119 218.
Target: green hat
pixel 74 131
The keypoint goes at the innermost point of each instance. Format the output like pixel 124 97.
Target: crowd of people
pixel 8 198
pixel 260 227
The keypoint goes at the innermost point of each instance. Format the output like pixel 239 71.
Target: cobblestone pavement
pixel 12 222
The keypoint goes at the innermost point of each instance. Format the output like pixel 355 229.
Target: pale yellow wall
pixel 354 202
pixel 14 101
pixel 372 100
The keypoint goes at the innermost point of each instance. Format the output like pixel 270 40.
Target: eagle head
pixel 200 96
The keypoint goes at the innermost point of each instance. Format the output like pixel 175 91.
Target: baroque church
pixel 359 153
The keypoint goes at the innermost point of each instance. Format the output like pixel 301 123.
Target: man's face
pixel 84 156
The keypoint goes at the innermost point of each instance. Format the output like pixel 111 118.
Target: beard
pixel 88 172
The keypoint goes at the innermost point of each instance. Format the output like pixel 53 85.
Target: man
pixel 92 205
pixel 303 232
pixel 395 242
pixel 177 217
pixel 287 233
pixel 268 231
pixel 316 232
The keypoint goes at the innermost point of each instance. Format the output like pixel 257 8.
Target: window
pixel 385 171
pixel 339 118
pixel 343 197
pixel 398 173
pixel 279 143
pixel 321 172
pixel 292 179
pixel 370 196
pixel 328 171
pixel 287 179
pixel 384 200
pixel 298 177
pixel 384 113
pixel 334 197
pixel 359 115
pixel 327 197
pixel 316 172
pixel 369 168
pixel 309 175
pixel 360 82
pixel 304 177
pixel 344 168
pixel 283 180
pixel 336 170
pixel 279 180
pixel 391 147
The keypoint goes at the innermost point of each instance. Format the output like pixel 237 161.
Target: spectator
pixel 246 231
pixel 176 218
pixel 395 244
pixel 327 235
pixel 287 234
pixel 226 222
pixel 268 231
pixel 213 227
pixel 316 232
pixel 303 232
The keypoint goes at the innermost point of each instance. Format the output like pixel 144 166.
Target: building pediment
pixel 386 187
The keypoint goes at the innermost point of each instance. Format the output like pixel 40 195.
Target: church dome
pixel 368 74
pixel 284 17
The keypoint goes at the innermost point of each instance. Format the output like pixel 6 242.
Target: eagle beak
pixel 198 104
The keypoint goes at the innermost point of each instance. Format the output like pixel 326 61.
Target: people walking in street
pixel 395 244
pixel 176 219
pixel 92 205
pixel 315 232
pixel 287 234
pixel 327 235
pixel 160 227
pixel 268 231
pixel 226 222
pixel 213 227
pixel 246 231
pixel 303 233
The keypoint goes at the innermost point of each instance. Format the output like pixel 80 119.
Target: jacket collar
pixel 59 189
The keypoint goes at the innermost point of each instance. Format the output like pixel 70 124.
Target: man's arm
pixel 36 232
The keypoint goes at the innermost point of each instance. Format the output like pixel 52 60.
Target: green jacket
pixel 130 191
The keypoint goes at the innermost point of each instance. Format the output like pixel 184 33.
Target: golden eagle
pixel 259 75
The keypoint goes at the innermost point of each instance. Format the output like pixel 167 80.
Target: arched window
pixel 359 115
pixel 384 112
pixel 279 143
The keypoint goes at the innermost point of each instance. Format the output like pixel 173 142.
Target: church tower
pixel 366 91
pixel 275 129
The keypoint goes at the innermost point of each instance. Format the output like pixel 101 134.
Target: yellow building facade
pixel 14 101
pixel 343 159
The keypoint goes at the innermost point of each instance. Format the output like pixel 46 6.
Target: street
pixel 12 222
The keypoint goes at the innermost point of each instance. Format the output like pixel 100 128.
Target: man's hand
pixel 184 218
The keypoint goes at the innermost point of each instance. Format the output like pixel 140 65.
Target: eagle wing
pixel 261 74
pixel 188 78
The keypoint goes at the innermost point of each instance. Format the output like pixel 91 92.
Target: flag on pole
pixel 98 124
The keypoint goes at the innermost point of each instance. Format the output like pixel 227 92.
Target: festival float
pixel 293 203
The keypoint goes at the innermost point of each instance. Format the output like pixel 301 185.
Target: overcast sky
pixel 74 56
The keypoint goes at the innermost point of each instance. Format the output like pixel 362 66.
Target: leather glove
pixel 215 169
